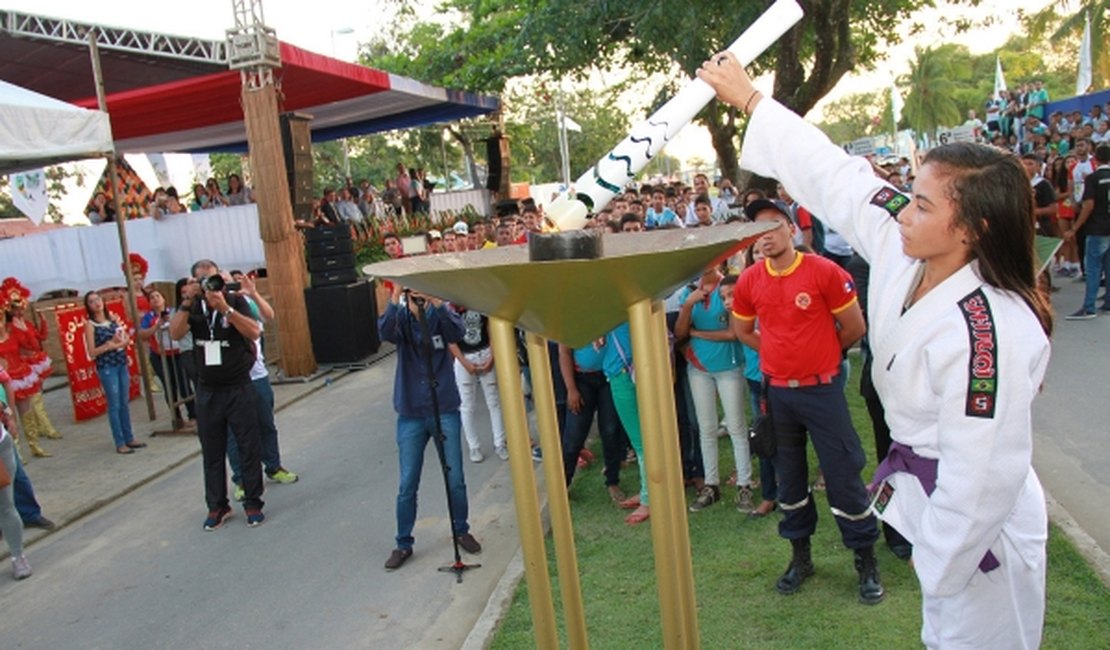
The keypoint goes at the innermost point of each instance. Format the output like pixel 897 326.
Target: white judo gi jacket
pixel 957 373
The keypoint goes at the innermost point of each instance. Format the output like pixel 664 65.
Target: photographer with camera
pixel 224 336
pixel 417 413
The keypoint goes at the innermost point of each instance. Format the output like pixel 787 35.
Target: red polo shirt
pixel 795 309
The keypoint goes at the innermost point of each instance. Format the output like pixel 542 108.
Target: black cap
pixel 759 205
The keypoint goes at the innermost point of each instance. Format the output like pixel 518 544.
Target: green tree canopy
pixel 493 41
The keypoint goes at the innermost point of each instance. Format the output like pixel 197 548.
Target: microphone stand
pixel 458 567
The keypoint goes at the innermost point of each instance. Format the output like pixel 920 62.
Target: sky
pixel 336 27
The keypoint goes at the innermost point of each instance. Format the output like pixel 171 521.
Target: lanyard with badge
pixel 212 353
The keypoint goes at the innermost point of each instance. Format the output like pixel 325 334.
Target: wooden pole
pixel 113 178
pixel 282 244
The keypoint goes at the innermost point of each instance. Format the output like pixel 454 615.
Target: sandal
pixel 125 450
pixel 765 508
pixel 641 515
pixel 136 445
pixel 616 494
pixel 630 503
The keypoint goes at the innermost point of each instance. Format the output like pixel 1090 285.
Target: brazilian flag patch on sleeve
pixel 890 200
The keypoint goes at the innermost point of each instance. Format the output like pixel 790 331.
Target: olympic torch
pixel 604 180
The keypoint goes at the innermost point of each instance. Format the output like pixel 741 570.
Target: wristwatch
pixel 229 312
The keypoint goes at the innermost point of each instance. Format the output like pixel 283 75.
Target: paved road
pixel 141 572
pixel 1072 417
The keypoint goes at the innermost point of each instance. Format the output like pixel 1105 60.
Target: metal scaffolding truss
pixel 119 39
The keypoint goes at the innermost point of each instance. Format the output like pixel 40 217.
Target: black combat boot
pixel 870 588
pixel 801 567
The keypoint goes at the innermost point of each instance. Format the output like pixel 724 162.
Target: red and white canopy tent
pixel 176 94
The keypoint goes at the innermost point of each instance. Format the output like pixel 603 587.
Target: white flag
pixel 999 80
pixel 29 193
pixel 160 167
pixel 896 104
pixel 1083 82
pixel 571 125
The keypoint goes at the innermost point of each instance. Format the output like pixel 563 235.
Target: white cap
pixel 435 234
pixel 461 228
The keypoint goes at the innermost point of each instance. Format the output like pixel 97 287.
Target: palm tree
pixel 931 103
pixel 1071 25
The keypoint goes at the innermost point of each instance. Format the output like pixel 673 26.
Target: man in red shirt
pixel 807 315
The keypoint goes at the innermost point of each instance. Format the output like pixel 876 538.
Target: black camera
pixel 216 282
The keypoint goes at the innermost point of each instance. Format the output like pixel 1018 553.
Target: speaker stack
pixel 331 256
pixel 296 142
pixel 343 322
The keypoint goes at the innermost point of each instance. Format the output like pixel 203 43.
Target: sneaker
pixel 707 496
pixel 39 522
pixel 469 544
pixel 1105 307
pixel 238 493
pixel 537 454
pixel 216 518
pixel 744 499
pixel 502 453
pixel 283 476
pixel 255 518
pixel 21 568
pixel 476 455
pixel 398 557
pixel 1082 314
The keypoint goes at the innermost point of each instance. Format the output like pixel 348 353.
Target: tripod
pixel 458 567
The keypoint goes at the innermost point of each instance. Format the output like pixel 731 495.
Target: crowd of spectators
pixel 1019 120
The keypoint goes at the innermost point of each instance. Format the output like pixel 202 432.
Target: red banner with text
pixel 84 384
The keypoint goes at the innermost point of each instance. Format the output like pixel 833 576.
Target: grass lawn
pixel 736 562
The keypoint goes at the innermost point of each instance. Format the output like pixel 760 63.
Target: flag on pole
pixel 1083 82
pixel 999 80
pixel 896 104
pixel 29 194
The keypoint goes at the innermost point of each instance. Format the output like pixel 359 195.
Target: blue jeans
pixel 117 383
pixel 25 502
pixel 267 432
pixel 1096 262
pixel 413 435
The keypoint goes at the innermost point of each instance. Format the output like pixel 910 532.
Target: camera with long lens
pixel 216 282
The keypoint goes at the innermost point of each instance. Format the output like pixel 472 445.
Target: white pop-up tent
pixel 36 130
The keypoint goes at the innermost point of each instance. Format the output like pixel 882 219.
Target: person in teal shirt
pixel 715 369
pixel 619 370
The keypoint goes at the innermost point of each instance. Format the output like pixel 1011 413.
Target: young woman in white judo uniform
pixel 960 338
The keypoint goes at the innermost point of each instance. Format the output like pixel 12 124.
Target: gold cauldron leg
pixel 524 483
pixel 669 532
pixel 557 504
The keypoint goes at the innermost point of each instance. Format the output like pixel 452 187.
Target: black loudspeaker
pixel 494 147
pixel 331 259
pixel 343 322
pixel 322 247
pixel 296 141
pixel 333 277
pixel 338 262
